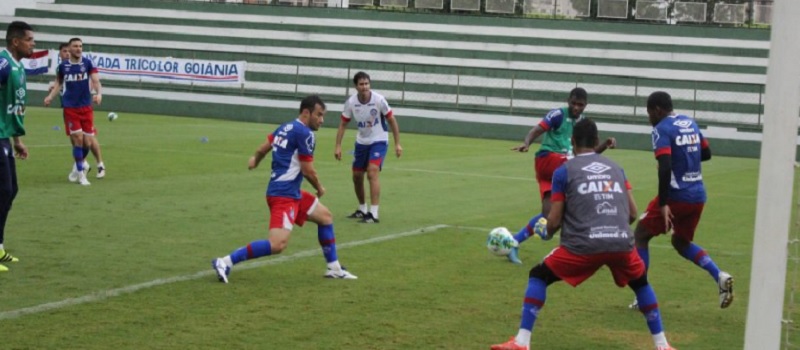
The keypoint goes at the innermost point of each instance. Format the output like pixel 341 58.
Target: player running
pixel 292 145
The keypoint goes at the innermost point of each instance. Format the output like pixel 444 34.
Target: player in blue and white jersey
pixel 679 147
pixel 374 116
pixel 75 79
pixel 292 145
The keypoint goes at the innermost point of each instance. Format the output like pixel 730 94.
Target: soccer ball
pixel 500 241
pixel 112 116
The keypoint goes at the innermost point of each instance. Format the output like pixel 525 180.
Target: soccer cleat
pixel 3 268
pixel 73 175
pixel 513 256
pixel 358 214
pixel 509 345
pixel 221 269
pixel 101 171
pixel 5 257
pixel 82 179
pixel 369 219
pixel 665 348
pixel 343 274
pixel 634 305
pixel 540 229
pixel 725 289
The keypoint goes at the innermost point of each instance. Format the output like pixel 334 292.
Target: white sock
pixel 227 260
pixel 373 209
pixel 362 207
pixel 335 266
pixel 523 337
pixel 1 247
pixel 660 339
pixel 101 165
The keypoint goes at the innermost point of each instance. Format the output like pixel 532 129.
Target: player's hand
pixel 398 150
pixel 667 214
pixel 521 148
pixel 252 164
pixel 21 150
pixel 320 191
pixel 611 142
pixel 47 101
pixel 97 99
pixel 338 153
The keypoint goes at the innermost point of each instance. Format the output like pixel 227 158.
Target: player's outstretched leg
pixel 648 306
pixel 256 249
pixel 322 216
pixel 699 257
pixel 535 296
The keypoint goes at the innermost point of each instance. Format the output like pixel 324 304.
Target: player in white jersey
pixel 373 115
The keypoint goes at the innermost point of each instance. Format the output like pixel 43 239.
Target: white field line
pixel 102 295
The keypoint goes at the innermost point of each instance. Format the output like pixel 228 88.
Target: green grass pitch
pixel 124 263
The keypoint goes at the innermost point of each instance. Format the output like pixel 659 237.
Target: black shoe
pixel 358 214
pixel 369 219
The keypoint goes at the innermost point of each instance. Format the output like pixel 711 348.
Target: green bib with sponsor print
pixel 13 95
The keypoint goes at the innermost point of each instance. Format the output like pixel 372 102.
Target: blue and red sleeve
pixel 559 185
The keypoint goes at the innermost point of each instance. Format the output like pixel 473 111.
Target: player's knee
pixel 543 273
pixel 639 282
pixel 679 243
pixel 321 215
pixel 278 245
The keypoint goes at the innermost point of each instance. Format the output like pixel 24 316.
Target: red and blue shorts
pixel 574 268
pixel 285 212
pixel 545 165
pixel 685 217
pixel 369 154
pixel 79 119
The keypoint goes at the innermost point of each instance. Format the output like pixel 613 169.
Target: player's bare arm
pixel 633 211
pixel 261 152
pixel 398 149
pixel 56 88
pixel 554 218
pixel 533 134
pixel 307 168
pixel 97 87
pixel 337 153
pixel 610 142
pixel 20 148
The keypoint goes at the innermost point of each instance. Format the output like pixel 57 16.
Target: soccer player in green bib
pixel 13 91
pixel 556 148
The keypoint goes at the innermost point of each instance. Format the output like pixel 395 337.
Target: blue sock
pixel 699 256
pixel 327 241
pixel 535 296
pixel 77 154
pixel 648 306
pixel 526 232
pixel 255 249
pixel 644 253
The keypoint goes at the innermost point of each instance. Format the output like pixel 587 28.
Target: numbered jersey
pixel 74 77
pixel 371 118
pixel 291 143
pixel 680 137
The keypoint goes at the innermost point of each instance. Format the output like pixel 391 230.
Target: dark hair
pixel 16 30
pixel 579 93
pixel 310 102
pixel 73 40
pixel 359 76
pixel 62 45
pixel 585 133
pixel 661 100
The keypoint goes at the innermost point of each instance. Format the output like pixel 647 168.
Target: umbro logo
pixel 596 167
pixel 683 123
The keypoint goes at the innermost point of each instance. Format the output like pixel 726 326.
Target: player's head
pixel 659 105
pixel 362 82
pixel 578 98
pixel 584 134
pixel 19 39
pixel 63 51
pixel 75 48
pixel 312 111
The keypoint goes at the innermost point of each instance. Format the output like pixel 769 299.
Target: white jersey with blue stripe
pixel 291 143
pixel 371 118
